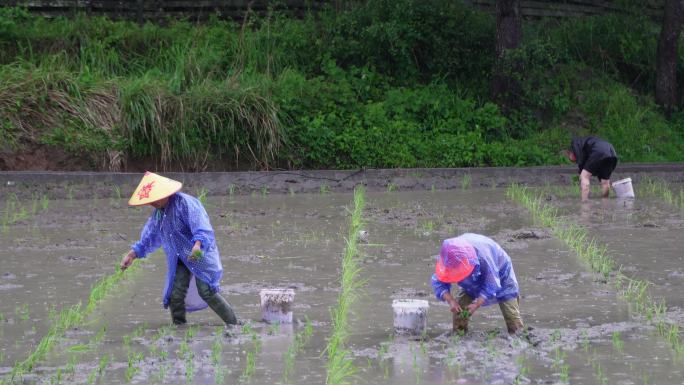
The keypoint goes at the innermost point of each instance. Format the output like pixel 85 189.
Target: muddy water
pixel 644 236
pixel 296 241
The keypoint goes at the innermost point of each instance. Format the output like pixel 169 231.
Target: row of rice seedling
pixel 663 190
pixel 68 318
pixel 634 290
pixel 340 366
pixel 15 211
pixel 250 360
pixel 300 339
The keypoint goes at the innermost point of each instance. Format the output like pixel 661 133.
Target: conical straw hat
pixel 152 188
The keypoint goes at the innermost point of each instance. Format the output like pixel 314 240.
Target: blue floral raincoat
pixel 176 227
pixel 492 278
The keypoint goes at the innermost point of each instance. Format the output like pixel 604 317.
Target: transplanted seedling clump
pixel 464 314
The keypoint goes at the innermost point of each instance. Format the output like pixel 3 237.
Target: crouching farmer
pixel 484 273
pixel 181 226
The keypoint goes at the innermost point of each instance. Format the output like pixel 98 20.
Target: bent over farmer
pixel 484 273
pixel 594 156
pixel 181 226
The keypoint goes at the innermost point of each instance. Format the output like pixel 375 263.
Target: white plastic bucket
pixel 623 188
pixel 410 316
pixel 276 305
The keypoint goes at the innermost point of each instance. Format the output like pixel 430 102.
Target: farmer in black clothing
pixel 594 156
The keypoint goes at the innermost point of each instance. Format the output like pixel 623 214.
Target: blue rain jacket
pixel 176 227
pixel 492 278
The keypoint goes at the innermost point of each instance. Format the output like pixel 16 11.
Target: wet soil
pixel 296 241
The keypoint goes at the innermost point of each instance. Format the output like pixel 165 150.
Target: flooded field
pixel 581 330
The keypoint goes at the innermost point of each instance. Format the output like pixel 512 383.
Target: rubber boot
pixel 178 314
pixel 222 308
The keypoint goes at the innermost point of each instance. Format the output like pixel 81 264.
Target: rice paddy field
pixel 601 290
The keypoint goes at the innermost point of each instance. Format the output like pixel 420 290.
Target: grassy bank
pixel 379 84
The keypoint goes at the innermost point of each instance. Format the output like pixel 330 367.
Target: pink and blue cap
pixel 456 260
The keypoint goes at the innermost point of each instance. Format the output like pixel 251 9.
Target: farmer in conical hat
pixel 484 273
pixel 594 156
pixel 181 226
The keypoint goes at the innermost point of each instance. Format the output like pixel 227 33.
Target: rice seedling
pixel 102 365
pixel 34 206
pixel 523 370
pixel 673 337
pixel 103 362
pixel 216 354
pixel 14 212
pixel 300 339
pixel 250 361
pixel 559 364
pixel 248 372
pixel 465 181
pixel 22 311
pixel 585 341
pixel 126 341
pixel 617 341
pixel 324 189
pixel 427 227
pixel 599 374
pixel 44 202
pixel 71 366
pixel 433 188
pixel 340 366
pixel 117 192
pixel 646 379
pixel 202 195
pixel 382 351
pixel 264 191
pixel 391 187
pixel 132 368
pixel 291 191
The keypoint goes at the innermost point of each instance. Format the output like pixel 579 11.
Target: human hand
pixel 127 260
pixel 475 305
pixel 196 252
pixel 454 306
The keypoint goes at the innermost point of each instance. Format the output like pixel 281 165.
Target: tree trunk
pixel 666 57
pixel 505 88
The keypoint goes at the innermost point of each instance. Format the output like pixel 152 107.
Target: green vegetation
pixel 373 84
pixel 340 366
pixel 196 255
pixel 464 314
